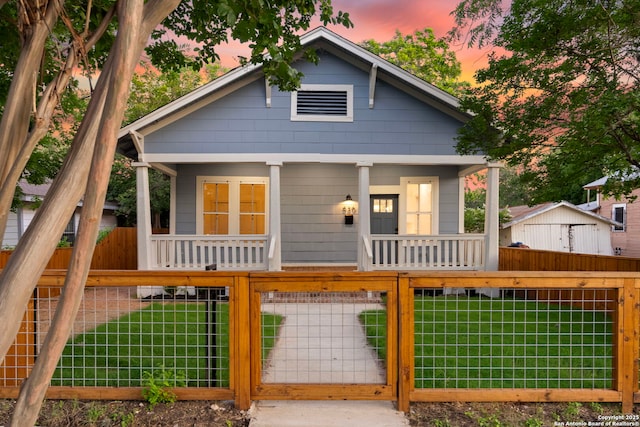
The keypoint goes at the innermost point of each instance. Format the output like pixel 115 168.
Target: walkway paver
pixel 323 343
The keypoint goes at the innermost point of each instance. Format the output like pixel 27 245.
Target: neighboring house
pixel 358 168
pixel 625 236
pixel 561 227
pixel 32 197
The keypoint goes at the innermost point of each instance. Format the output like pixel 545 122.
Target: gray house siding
pixel 241 122
pixel 313 228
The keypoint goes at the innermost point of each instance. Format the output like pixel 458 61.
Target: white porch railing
pixel 189 252
pixel 441 252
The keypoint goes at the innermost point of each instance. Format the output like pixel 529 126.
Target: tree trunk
pixel 130 40
pixel 14 124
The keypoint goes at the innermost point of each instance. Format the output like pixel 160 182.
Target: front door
pixel 384 220
pixel 384 214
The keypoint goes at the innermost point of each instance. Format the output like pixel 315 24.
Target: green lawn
pixel 168 335
pixel 463 342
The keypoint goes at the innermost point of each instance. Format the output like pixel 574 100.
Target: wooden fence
pixel 622 343
pixel 522 259
pixel 117 251
pixel 622 302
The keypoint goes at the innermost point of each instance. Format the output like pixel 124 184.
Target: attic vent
pixel 322 103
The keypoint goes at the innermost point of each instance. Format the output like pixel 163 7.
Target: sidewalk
pixel 323 343
pixel 325 413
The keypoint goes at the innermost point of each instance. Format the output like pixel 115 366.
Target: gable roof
pixel 320 38
pixel 35 192
pixel 522 213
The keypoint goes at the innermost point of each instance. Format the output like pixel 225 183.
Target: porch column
pixel 172 205
pixel 364 216
pixel 274 245
pixel 491 223
pixel 143 203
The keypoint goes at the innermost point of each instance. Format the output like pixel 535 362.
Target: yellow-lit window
pixel 252 208
pixel 232 205
pixel 419 208
pixel 383 205
pixel 215 197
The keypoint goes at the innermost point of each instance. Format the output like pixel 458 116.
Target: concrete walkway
pixel 323 343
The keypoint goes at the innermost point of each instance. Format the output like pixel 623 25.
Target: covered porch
pixel 406 249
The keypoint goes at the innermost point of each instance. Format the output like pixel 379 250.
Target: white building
pixel 561 227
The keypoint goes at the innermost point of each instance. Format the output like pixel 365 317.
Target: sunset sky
pixel 379 19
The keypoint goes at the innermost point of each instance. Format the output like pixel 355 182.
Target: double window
pixel 232 205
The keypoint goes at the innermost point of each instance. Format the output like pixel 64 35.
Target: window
pixel 421 204
pixel 69 233
pixel 330 103
pixel 619 214
pixel 231 205
pixel 383 205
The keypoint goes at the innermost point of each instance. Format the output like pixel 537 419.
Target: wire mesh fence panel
pixel 180 336
pixel 519 339
pixel 332 337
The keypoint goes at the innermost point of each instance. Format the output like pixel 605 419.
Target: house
pixel 33 195
pixel 625 235
pixel 561 227
pixel 357 169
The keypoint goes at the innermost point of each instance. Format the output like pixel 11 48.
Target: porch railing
pixel 241 252
pixel 441 252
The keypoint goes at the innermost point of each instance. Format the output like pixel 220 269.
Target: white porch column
pixel 461 203
pixel 172 205
pixel 364 216
pixel 143 203
pixel 491 223
pixel 274 245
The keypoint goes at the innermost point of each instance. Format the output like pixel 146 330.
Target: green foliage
pixel 596 407
pixel 157 385
pixel 102 234
pixel 572 410
pixel 122 189
pixel 533 422
pixel 474 211
pixel 561 86
pixel 64 243
pixel 424 56
pixel 271 27
pixel 152 89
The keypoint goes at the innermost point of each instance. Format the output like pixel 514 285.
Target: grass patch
pixel 160 336
pixel 469 342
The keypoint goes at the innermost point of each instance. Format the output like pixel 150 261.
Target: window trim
pixel 322 117
pixel 234 200
pixel 615 206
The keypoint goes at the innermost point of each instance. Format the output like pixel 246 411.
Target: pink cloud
pixel 379 20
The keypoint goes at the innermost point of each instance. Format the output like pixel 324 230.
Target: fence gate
pixel 323 336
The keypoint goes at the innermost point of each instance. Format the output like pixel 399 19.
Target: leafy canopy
pixel 562 87
pixel 424 56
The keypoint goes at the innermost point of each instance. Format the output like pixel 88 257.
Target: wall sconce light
pixel 349 209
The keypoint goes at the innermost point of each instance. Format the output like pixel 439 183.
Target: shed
pixel 561 227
